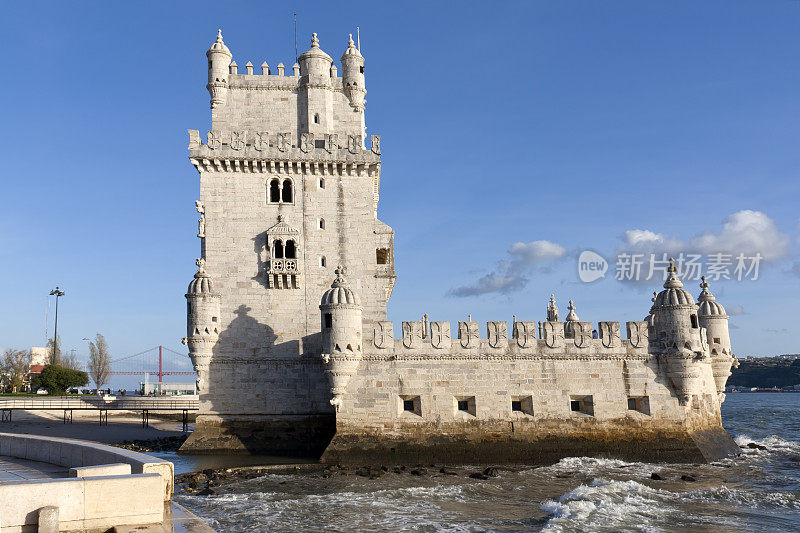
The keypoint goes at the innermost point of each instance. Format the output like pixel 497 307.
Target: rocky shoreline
pixel 164 444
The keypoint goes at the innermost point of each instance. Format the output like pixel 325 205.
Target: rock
pixel 755 446
pixel 686 477
pixel 448 471
pixel 491 472
pixel 479 475
pixel 656 477
pixel 418 472
pixel 205 492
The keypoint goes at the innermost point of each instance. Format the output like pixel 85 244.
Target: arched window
pixel 322 261
pixel 274 191
pixel 322 183
pixel 694 321
pixel 322 223
pixel 277 251
pixel 316 118
pixel 287 191
pixel 290 250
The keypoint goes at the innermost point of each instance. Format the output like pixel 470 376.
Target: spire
pixel 351 50
pixel 314 41
pixel 571 316
pixel 672 280
pixel 552 310
pixel 705 294
pixel 219 35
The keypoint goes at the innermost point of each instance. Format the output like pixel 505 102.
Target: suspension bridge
pixel 158 360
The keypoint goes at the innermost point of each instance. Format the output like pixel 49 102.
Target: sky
pixel 515 135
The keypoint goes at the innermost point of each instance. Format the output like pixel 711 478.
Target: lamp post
pixel 56 292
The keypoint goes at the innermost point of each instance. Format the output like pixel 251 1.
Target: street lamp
pixel 56 292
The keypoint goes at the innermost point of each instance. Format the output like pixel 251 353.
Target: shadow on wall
pixel 274 398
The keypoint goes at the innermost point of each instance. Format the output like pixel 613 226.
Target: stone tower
pixel 289 189
pixel 715 321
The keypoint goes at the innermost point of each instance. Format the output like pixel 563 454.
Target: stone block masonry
pixel 287 312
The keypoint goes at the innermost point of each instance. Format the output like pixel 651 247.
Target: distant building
pixel 40 356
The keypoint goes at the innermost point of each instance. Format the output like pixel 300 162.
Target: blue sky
pixel 657 126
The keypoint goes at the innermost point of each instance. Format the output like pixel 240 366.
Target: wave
pixel 773 443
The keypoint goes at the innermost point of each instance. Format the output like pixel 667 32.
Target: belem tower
pixel 287 320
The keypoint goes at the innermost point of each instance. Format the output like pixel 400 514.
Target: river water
pixel 758 491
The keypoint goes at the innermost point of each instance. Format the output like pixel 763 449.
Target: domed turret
pixel 202 321
pixel 570 322
pixel 314 62
pixel 353 75
pixel 219 58
pixel 552 310
pixel 341 334
pixel 713 318
pixel 678 335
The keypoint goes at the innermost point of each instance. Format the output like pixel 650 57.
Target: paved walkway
pixel 13 469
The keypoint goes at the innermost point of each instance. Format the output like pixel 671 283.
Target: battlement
pixel 279 80
pixel 528 339
pixel 261 150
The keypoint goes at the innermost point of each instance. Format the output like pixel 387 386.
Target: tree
pixel 71 361
pixel 55 351
pixel 99 361
pixel 15 365
pixel 57 379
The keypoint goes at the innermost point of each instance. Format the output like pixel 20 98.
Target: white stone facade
pixel 289 191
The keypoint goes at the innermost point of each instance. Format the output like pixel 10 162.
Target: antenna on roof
pixel 358 38
pixel 295 38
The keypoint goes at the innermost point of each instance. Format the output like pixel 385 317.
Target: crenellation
pixel 286 316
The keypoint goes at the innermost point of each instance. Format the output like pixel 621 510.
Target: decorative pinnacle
pixel 571 306
pixel 672 267
pixel 672 280
pixel 704 285
pixel 201 267
pixel 314 41
pixel 653 299
pixel 219 35
pixel 340 273
pixel 350 40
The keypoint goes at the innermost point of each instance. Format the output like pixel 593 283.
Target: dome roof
pixel 340 292
pixel 201 284
pixel 315 52
pixel 707 303
pixel 571 316
pixel 351 50
pixel 673 293
pixel 219 46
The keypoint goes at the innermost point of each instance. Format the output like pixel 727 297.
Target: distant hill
pixel 766 373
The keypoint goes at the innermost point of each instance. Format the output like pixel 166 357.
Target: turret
pixel 713 318
pixel 315 63
pixel 219 58
pixel 570 322
pixel 202 321
pixel 341 335
pixel 678 335
pixel 353 75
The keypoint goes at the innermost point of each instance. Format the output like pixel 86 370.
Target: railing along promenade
pixel 93 403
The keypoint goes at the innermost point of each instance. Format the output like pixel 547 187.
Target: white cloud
pixel 511 274
pixel 735 310
pixel 748 232
pixel 644 240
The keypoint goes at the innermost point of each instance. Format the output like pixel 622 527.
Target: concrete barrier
pixel 78 453
pixel 108 486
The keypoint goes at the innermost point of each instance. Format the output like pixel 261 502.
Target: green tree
pixel 14 366
pixel 99 361
pixel 57 379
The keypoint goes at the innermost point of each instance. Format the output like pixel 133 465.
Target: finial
pixel 219 35
pixel 350 42
pixel 653 299
pixel 704 285
pixel 672 267
pixel 672 280
pixel 469 317
pixel 571 306
pixel 340 273
pixel 201 265
pixel 314 41
pixel 515 318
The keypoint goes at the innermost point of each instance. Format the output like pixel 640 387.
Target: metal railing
pixel 118 404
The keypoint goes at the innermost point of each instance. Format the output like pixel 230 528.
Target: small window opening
pixel 382 256
pixel 322 223
pixel 213 319
pixel 640 404
pixel 287 191
pixel 582 404
pixel 694 322
pixel 328 320
pixel 316 118
pixel 631 404
pixel 361 69
pixel 463 405
pixel 291 253
pixel 322 183
pixel 716 340
pixel 322 261
pixel 274 191
pixel 277 252
pixel 516 405
pixel 522 404
pixel 410 405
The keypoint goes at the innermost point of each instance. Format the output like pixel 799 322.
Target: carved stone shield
pixel 609 334
pixel 638 334
pixel 306 142
pixel 284 141
pixel 214 139
pixel 412 334
pixel 237 140
pixel 468 334
pixel 383 335
pixel 352 143
pixel 583 334
pixel 261 140
pixel 440 335
pixel 498 334
pixel 553 334
pixel 194 139
pixel 525 333
pixel 376 144
pixel 331 142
